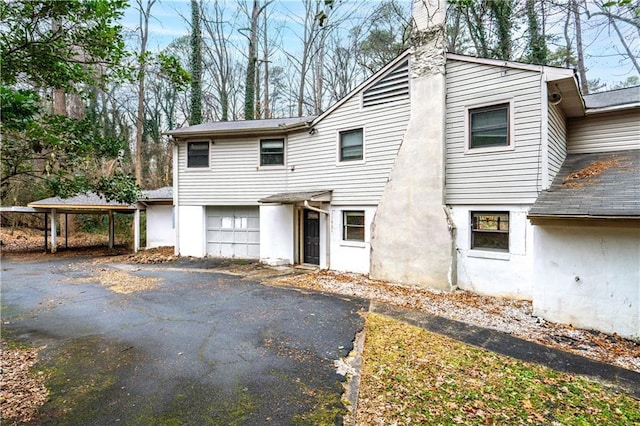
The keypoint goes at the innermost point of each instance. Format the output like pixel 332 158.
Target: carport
pixel 89 203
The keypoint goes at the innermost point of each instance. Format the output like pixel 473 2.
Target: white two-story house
pixel 425 174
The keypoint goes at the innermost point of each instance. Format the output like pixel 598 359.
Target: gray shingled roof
pixel 611 98
pixel 165 193
pixel 296 197
pixel 593 185
pixel 89 200
pixel 241 125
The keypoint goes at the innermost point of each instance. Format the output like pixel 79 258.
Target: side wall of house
pixel 497 180
pixel 315 156
pixel 557 140
pixel 277 225
pixel 589 277
pixel 351 256
pixel 505 274
pixel 160 226
pixel 192 230
pixel 510 176
pixel 613 131
pixel 234 176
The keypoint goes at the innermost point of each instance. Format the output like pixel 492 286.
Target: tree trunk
pixel 195 116
pixel 145 13
pixel 579 49
pixel 265 60
pixel 250 81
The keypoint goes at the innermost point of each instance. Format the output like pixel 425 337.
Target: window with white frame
pixel 351 145
pixel 353 225
pixel 490 231
pixel 489 126
pixel 198 154
pixel 272 152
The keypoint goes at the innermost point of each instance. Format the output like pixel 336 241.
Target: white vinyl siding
pixel 557 140
pixel 235 177
pixel 511 176
pixel 613 131
pixel 356 182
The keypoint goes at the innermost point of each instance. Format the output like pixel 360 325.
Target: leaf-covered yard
pixel 413 376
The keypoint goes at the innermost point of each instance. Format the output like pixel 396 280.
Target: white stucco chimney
pixel 412 237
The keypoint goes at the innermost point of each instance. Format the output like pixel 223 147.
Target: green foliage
pixel 60 43
pixel 119 187
pixel 171 69
pixel 19 107
pixel 56 149
pixel 387 38
pixel 537 51
pixel 69 45
pixel 501 12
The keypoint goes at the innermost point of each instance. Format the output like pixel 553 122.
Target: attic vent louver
pixel 394 86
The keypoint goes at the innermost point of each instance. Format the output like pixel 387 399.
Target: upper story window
pixel 490 231
pixel 353 225
pixel 489 126
pixel 198 154
pixel 272 152
pixel 351 145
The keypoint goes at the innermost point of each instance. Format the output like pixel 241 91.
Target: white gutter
pixel 591 111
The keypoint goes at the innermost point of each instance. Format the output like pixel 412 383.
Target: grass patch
pixel 413 376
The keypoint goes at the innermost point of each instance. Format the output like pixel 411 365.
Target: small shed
pixel 160 216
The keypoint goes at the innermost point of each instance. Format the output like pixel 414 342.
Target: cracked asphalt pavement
pixel 200 347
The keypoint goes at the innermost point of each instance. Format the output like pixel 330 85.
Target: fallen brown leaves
pixel 26 240
pixel 22 390
pixel 511 316
pixel 151 256
pixel 412 376
pixel 119 281
pixel 577 179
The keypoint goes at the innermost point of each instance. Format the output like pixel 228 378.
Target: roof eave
pixel 79 207
pixel 185 134
pixel 583 219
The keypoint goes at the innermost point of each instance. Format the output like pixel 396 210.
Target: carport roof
pixel 298 197
pixel 89 202
pixel 593 186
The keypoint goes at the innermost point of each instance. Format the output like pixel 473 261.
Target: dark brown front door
pixel 311 237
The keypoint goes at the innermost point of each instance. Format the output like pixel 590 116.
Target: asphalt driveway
pixel 179 345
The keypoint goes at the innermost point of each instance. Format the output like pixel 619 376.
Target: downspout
pixel 176 210
pixel 544 132
pixel 315 209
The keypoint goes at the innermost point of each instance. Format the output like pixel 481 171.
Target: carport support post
pixel 112 229
pixel 54 231
pixel 136 230
pixel 46 235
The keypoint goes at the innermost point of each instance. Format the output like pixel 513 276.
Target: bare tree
pixel 143 30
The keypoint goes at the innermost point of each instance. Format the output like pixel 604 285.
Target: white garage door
pixel 233 232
